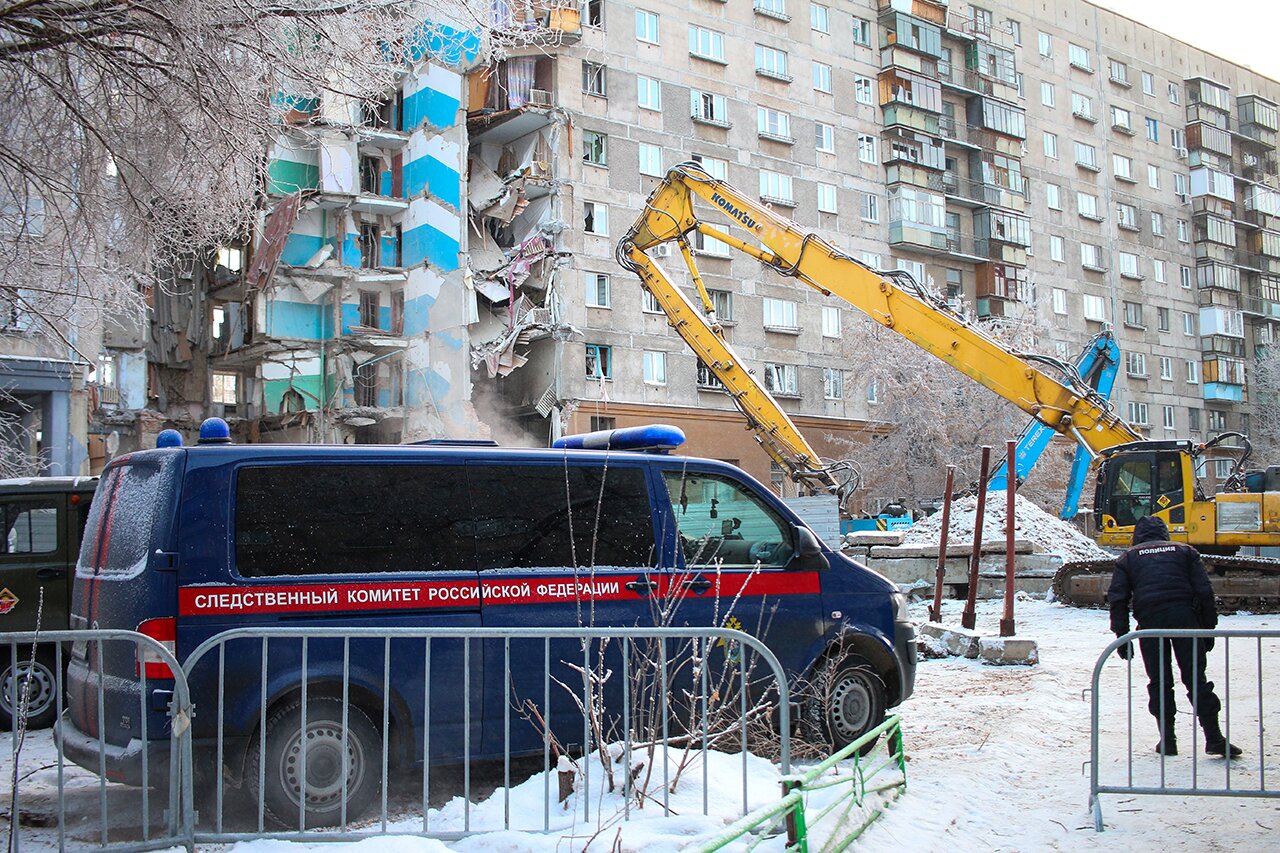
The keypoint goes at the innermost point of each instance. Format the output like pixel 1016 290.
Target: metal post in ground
pixel 968 619
pixel 935 612
pixel 1010 561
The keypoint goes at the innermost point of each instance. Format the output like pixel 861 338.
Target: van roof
pixel 48 484
pixel 225 452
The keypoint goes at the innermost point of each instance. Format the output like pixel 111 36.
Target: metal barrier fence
pixel 623 699
pixel 164 765
pixel 1245 776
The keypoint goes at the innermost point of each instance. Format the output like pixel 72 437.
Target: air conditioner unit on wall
pixel 1180 153
pixel 540 97
pixel 662 250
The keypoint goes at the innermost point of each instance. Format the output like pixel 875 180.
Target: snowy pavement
pixel 995 763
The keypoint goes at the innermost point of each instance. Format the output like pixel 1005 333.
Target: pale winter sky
pixel 1243 31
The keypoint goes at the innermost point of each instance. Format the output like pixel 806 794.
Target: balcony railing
pixel 977 191
pixel 925 9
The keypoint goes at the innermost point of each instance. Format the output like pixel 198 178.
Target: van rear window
pixel 348 519
pixel 126 509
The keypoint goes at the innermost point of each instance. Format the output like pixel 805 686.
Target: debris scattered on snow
pixel 1048 534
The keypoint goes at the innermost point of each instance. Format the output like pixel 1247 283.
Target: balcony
pixel 913 235
pixel 971 193
pixel 768 9
pixel 927 10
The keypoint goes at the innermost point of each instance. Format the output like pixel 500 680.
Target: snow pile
pixel 1048 535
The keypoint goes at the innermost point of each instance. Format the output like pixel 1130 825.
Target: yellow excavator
pixel 1135 476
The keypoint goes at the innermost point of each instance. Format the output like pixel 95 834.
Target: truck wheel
pixel 324 764
pixel 42 705
pixel 848 701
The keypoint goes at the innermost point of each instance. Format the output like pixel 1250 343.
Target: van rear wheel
pixel 848 701
pixel 39 678
pixel 324 764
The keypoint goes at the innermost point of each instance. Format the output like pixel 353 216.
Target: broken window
pixel 225 389
pixel 593 80
pixel 371 175
pixel 595 148
pixel 600 423
pixel 365 384
pixel 593 11
pixel 108 379
pixel 595 218
pixel 383 114
pixel 370 245
pixel 370 308
pixel 707 379
pixel 599 362
pixel 397 312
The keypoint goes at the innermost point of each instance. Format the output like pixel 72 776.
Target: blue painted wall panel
pixel 436 108
pixel 302 320
pixel 445 44
pixel 388 250
pixel 351 250
pixel 299 248
pixel 417 314
pixel 384 184
pixel 426 243
pixel 430 174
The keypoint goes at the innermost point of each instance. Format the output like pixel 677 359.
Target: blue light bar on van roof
pixel 657 437
pixel 169 438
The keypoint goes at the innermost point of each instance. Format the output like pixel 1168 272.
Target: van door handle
pixel 50 574
pixel 642 585
pixel 698 585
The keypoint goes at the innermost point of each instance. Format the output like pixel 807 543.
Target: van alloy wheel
pixel 42 702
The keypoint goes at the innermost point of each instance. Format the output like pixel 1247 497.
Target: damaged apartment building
pixel 345 319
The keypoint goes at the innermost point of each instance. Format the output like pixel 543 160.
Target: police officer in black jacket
pixel 1169 588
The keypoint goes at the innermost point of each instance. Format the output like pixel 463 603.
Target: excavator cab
pixel 1140 479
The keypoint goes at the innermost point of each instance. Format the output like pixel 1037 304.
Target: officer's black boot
pixel 1168 744
pixel 1214 742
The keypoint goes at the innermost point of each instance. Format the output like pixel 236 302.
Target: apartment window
pixel 1136 364
pixel 1015 30
pixel 599 423
pixel 1183 231
pixel 1057 248
pixel 1157 270
pixel 1193 420
pixel 1123 167
pixel 1153 176
pixel 832 383
pixel 1048 95
pixel 773 123
pixel 827 198
pixel 1166 368
pixel 599 361
pixel 1046 44
pixel 715 167
pixel 1086 156
pixel 1087 205
pixel 1138 413
pixel 595 218
pixel 1153 130
pixel 981 20
pixel 1095 308
pixel 1082 106
pixel 650 159
pixel 830 321
pixel 1179 184
pixel 593 79
pixel 775 187
pixel 1053 196
pixel 722 301
pixel 1121 119
pixel 655 368
pixel 1178 140
pixel 821 77
pixel 1051 145
pixel 593 13
pixel 646 26
pixel 1059 300
pixel 1218 422
pixel 1162 319
pixel 873 260
pixel 780 314
pixel 819 18
pixel 781 379
pixel 1129 266
pixel 370 309
pixel 224 389
pixel 775 8
pixel 648 94
pixel 1148 83
pixel 1193 372
pixel 824 137
pixel 649 303
pixel 1188 324
pixel 709 245
pixel 864 90
pixel 595 148
pixel 706 44
pixel 868 148
pixel 1133 314
pixel 1018 77
pixel 597 290
pixel 1127 216
pixel 861 31
pixel 1091 256
pixel 1079 57
pixel 1157 224
pixel 1119 72
pixel 772 62
pixel 871 209
pixel 873 392
pixel 1175 93
pixel 708 107
pixel 1184 273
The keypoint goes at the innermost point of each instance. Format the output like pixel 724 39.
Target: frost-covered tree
pixel 136 131
pixel 1264 392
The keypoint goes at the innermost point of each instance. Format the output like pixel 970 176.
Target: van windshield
pixel 122 520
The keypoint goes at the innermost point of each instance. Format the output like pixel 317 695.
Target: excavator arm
pixel 893 299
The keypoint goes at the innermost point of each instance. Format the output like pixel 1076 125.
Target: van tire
pixel 848 700
pixel 324 757
pixel 43 708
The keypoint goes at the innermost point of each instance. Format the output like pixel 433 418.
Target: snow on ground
pixel 995 763
pixel 1049 534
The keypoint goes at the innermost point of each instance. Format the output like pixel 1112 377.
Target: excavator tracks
pixel 1240 583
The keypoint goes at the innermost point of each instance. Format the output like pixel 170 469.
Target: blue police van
pixel 183 543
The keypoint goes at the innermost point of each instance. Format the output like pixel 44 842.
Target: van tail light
pixel 163 631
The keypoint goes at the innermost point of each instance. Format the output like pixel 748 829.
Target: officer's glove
pixel 1126 651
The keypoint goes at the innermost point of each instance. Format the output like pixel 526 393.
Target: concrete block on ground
pixel 856 552
pixel 954 549
pixel 1008 651
pixel 875 537
pixel 957 642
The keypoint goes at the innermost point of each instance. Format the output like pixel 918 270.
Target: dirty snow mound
pixel 1048 535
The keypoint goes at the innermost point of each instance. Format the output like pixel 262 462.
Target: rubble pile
pixel 1049 535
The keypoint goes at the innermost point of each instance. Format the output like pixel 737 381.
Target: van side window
pixel 538 516
pixel 130 502
pixel 30 527
pixel 721 523
pixel 352 519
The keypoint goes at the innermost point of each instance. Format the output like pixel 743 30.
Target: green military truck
pixel 42 519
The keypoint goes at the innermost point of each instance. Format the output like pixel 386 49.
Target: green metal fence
pixel 841 802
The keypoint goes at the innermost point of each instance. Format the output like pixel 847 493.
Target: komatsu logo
pixel 729 208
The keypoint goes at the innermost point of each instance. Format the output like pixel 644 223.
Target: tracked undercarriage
pixel 1240 583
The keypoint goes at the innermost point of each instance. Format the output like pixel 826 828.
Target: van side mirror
pixel 809 550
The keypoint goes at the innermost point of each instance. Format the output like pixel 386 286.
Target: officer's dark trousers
pixel 1190 655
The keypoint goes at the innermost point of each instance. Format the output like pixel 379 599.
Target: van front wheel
pixel 324 764
pixel 848 701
